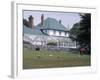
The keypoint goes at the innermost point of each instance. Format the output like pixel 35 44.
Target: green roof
pixel 35 31
pixel 51 23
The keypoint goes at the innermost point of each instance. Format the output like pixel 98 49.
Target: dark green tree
pixel 84 37
pixel 81 32
pixel 74 31
pixel 25 22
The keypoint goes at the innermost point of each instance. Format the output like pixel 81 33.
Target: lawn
pixel 51 59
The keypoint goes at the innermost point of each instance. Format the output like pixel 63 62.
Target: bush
pixel 37 49
pixel 52 43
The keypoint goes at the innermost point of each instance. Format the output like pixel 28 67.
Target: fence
pixel 49 48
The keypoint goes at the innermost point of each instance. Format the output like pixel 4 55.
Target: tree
pixel 74 32
pixel 52 43
pixel 25 22
pixel 28 23
pixel 82 31
pixel 84 37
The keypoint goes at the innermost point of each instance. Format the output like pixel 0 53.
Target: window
pixel 59 32
pixel 54 32
pixel 65 33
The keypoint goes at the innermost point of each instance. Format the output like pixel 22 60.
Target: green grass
pixel 52 59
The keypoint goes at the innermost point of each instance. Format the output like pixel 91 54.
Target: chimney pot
pixel 31 21
pixel 42 19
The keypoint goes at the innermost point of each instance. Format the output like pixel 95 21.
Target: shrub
pixel 52 43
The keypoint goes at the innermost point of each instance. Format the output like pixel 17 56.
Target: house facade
pixel 48 31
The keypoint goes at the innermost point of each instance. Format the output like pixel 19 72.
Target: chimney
pixel 42 19
pixel 31 21
pixel 60 21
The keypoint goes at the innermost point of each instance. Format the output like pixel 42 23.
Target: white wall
pixel 5 39
pixel 51 32
pixel 62 33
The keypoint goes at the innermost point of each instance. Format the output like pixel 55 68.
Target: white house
pixel 48 30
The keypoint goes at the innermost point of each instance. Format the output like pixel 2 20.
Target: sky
pixel 67 18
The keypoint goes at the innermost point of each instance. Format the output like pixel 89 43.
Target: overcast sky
pixel 68 18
